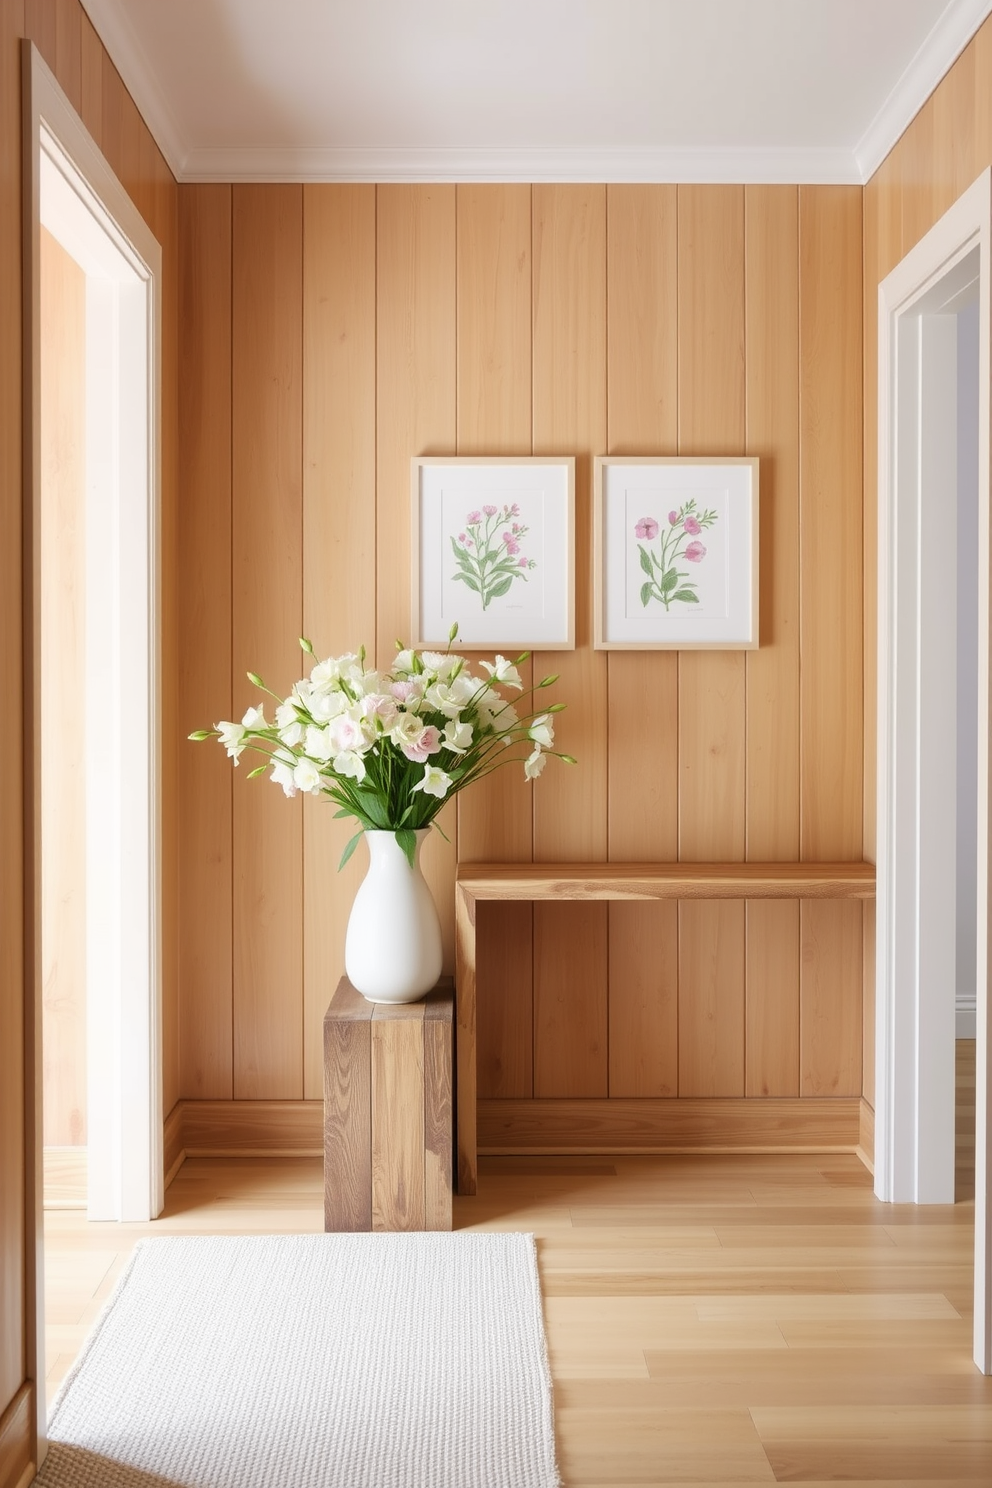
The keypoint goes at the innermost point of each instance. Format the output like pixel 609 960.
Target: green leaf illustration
pixel 646 561
pixel 646 593
pixel 670 581
pixel 466 579
pixel 687 596
pixel 498 590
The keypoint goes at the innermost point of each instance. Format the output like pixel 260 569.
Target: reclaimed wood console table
pixel 609 881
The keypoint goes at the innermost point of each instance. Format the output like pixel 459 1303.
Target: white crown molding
pixel 127 54
pixel 937 53
pixel 703 165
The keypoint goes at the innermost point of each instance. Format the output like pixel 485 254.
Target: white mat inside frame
pixel 313 1361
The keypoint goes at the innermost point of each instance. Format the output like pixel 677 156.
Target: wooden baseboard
pixel 687 1125
pixel 17 1444
pixel 866 1135
pixel 295 1128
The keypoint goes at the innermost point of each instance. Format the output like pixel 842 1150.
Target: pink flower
pixel 673 517
pixel 514 510
pixel 523 563
pixel 646 527
pixel 406 690
pixel 490 511
pixel 512 546
pixel 695 552
pixel 692 526
pixel 462 538
pixel 427 742
pixel 473 517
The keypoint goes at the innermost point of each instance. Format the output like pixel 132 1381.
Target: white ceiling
pixel 604 90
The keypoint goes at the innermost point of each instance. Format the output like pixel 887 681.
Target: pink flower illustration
pixel 461 537
pixel 673 517
pixel 512 546
pixel 646 527
pixel 692 527
pixel 490 511
pixel 523 563
pixel 514 510
pixel 473 517
pixel 695 552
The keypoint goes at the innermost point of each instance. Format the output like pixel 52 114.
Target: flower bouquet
pixel 391 747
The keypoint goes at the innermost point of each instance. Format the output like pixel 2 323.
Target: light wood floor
pixel 713 1321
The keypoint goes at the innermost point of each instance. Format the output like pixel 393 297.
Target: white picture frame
pixel 506 578
pixel 675 553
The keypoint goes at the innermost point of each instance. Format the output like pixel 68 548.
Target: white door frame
pixel 69 186
pixel 915 1013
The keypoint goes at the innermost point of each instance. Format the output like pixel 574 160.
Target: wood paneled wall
pixel 328 333
pixel 946 146
pixel 66 39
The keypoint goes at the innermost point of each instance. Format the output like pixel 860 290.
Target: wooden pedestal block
pixel 387 1112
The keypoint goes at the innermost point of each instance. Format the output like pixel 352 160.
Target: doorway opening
pixel 92 301
pixel 933 744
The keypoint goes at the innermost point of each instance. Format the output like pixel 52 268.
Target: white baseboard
pixel 965 1020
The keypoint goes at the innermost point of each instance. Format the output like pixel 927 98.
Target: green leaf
pixel 646 591
pixel 374 809
pixel 407 840
pixel 498 590
pixel 670 581
pixel 349 849
pixel 687 596
pixel 345 811
pixel 646 561
pixel 466 580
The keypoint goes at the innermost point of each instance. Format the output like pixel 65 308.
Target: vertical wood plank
pixel 205 776
pixel 772 725
pixel 711 422
pixel 570 803
pixel 872 248
pixel 918 175
pixel 505 1002
pixel 339 589
pixel 831 1019
pixel 91 79
pixel 40 22
pixel 642 418
pixel 953 162
pixel 642 361
pixel 415 415
pixel 831 521
pixel 14 1261
pixel 495 817
pixel 712 685
pixel 644 999
pixel 438 1146
pixel 63 697
pixel 711 998
pixel 68 50
pixel 347 1089
pixel 398 1117
pixel 267 354
pixel 771 1038
pixel 112 117
pixel 570 1016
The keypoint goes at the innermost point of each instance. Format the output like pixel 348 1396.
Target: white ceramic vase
pixel 392 950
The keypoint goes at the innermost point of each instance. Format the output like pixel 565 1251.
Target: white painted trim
pixel 113 25
pixel 700 165
pixel 913 1026
pixel 939 51
pixel 73 188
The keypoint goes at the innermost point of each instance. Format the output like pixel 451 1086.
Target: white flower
pixel 449 699
pixel 232 737
pixel 327 705
pixel 434 783
pixel 542 731
pixel 326 675
pixel 457 736
pixel 406 730
pixel 487 705
pixel 306 777
pixel 283 765
pixel 350 764
pixel 319 744
pixel 286 714
pixel 505 720
pixel 347 734
pixel 403 662
pixel 535 763
pixel 292 734
pixel 255 719
pixel 441 663
pixel 503 671
pixel 380 705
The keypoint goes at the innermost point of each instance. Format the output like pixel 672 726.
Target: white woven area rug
pixel 313 1361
